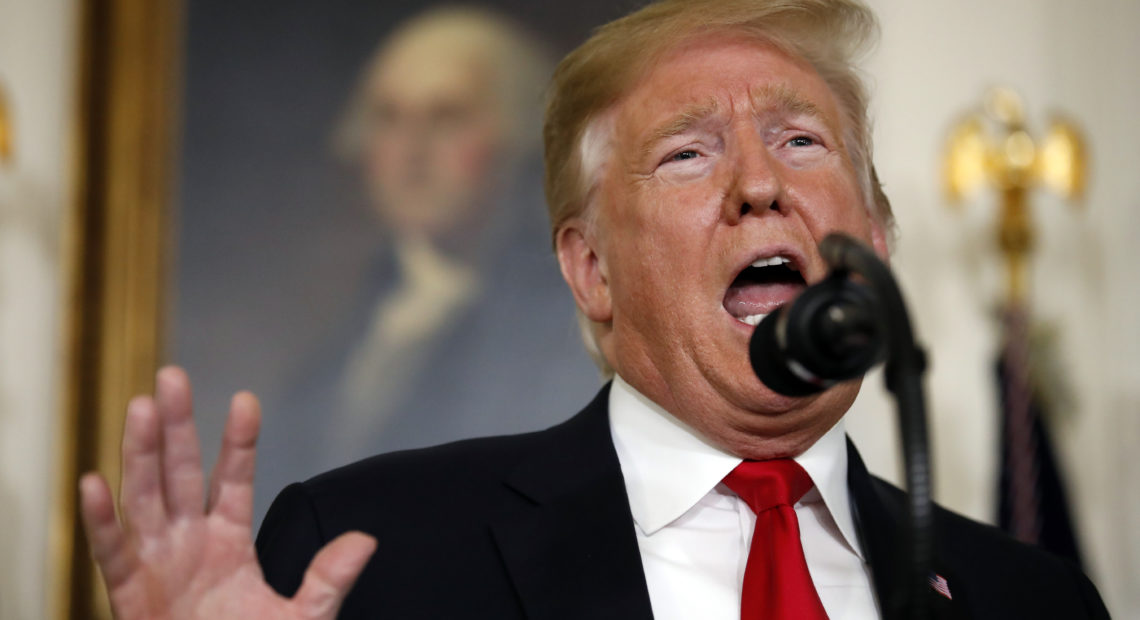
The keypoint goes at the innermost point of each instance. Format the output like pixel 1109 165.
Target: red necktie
pixel 777 585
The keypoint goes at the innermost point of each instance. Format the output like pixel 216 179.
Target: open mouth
pixel 762 287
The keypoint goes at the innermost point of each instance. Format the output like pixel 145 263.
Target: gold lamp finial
pixel 993 148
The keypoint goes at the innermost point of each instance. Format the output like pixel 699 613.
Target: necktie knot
pixel 767 484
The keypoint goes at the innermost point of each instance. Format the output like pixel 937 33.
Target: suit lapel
pixel 880 520
pixel 570 546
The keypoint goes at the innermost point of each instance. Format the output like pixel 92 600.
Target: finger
pixel 181 455
pixel 332 573
pixel 142 501
pixel 108 543
pixel 231 484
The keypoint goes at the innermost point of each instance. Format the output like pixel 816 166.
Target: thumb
pixel 332 573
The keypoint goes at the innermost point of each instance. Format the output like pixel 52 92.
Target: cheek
pixel 833 203
pixel 662 247
pixel 374 157
pixel 385 159
pixel 680 212
pixel 470 156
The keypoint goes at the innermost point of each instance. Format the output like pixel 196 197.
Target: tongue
pixel 743 300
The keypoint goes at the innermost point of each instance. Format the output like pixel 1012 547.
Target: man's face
pixel 728 153
pixel 435 137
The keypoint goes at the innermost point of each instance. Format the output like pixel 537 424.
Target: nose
pixel 757 185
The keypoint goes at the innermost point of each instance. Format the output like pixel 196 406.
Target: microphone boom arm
pixel 906 363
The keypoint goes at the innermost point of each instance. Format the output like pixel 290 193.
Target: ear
pixel 584 270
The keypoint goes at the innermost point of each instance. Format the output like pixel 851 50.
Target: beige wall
pixel 935 61
pixel 37 61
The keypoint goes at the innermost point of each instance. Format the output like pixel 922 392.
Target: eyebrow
pixel 781 98
pixel 777 97
pixel 693 114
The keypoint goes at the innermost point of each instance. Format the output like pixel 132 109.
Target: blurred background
pixel 297 198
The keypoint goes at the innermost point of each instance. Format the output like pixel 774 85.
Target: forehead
pixel 720 74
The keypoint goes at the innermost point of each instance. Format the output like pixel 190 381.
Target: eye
pixel 802 141
pixel 384 115
pixel 683 155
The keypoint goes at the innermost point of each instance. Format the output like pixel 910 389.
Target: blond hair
pixel 831 35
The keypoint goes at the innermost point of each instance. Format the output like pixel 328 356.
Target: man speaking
pixel 697 152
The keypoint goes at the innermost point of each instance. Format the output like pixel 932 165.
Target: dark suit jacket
pixel 538 526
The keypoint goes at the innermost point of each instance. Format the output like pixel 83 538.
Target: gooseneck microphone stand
pixel 837 330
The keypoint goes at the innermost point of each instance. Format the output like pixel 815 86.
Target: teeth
pixel 753 319
pixel 772 261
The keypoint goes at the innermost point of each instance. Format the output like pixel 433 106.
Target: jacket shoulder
pixel 436 514
pixel 424 478
pixel 997 574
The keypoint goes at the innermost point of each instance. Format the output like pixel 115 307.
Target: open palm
pixel 176 555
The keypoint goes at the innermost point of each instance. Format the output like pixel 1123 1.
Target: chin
pixel 754 437
pixel 775 448
pixel 750 395
pixel 776 426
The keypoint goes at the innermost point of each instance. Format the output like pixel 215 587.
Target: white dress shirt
pixel 694 533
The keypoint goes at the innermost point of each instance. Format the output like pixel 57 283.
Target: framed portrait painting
pixel 336 205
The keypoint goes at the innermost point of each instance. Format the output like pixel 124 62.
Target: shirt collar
pixel 668 467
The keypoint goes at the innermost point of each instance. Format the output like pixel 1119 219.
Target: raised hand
pixel 175 555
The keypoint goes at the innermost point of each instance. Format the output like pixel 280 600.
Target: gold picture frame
pixel 120 234
pixel 116 239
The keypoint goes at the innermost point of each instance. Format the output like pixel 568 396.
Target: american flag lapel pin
pixel 939 585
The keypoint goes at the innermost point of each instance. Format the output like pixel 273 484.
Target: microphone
pixel 836 330
pixel 832 332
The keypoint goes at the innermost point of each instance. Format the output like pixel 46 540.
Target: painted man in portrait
pixel 460 327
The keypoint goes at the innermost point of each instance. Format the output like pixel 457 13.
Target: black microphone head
pixel 770 363
pixel 832 332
